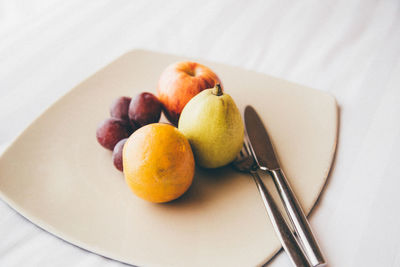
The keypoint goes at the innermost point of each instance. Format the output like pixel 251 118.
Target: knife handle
pixel 298 219
pixel 285 235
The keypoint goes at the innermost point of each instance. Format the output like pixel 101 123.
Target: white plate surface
pixel 57 175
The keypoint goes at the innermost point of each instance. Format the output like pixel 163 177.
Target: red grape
pixel 144 109
pixel 120 107
pixel 117 154
pixel 111 131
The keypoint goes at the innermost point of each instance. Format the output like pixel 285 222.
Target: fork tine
pixel 246 146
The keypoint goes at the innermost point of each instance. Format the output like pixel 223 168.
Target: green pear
pixel 213 125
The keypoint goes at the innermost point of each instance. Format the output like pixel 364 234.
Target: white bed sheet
pixel 348 48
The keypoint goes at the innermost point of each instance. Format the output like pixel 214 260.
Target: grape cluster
pixel 127 115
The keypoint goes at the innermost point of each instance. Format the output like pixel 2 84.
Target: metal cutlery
pixel 263 152
pixel 246 163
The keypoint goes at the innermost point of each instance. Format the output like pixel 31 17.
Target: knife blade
pixel 261 145
pixel 265 157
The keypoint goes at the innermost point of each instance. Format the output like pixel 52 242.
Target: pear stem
pixel 217 90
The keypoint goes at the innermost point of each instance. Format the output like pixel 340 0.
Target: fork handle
pixel 285 235
pixel 298 219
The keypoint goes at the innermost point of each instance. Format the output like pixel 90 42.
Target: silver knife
pixel 264 155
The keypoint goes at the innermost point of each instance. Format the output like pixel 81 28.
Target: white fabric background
pixel 348 48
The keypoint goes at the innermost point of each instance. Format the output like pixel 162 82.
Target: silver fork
pixel 246 163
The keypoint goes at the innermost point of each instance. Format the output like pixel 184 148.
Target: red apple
pixel 180 82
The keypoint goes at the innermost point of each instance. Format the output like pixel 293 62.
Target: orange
pixel 158 163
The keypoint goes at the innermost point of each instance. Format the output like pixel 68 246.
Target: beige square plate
pixel 57 176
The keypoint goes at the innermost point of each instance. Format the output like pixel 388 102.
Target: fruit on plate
pixel 111 131
pixel 119 108
pixel 144 109
pixel 180 82
pixel 127 115
pixel 158 163
pixel 117 154
pixel 213 125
